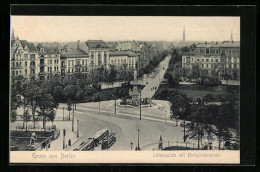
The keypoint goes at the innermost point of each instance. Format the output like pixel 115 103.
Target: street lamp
pixel 73 117
pixel 140 104
pixel 99 106
pixel 138 148
pixel 165 117
pixel 63 113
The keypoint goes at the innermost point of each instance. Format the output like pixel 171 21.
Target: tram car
pixel 98 137
pixel 85 146
pixel 108 141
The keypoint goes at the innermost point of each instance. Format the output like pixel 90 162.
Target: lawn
pixel 195 91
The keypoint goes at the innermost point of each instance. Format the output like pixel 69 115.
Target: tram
pixel 108 141
pixel 86 146
pixel 98 137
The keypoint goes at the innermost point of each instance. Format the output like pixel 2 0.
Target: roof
pixel 188 53
pixel 96 44
pixel 224 44
pixel 30 46
pixel 50 50
pixel 73 52
pixel 122 53
pixel 133 46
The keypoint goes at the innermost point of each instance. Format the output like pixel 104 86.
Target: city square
pixel 126 94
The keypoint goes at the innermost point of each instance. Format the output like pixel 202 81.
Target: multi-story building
pixel 98 54
pixel 129 46
pixel 24 59
pixel 48 62
pixel 74 60
pixel 124 60
pixel 222 58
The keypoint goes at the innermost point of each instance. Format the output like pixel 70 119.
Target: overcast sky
pixel 108 28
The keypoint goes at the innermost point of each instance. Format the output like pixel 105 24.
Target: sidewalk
pixel 57 144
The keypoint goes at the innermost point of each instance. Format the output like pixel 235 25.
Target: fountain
pixel 135 92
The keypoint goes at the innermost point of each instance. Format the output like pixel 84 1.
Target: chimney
pixel 78 44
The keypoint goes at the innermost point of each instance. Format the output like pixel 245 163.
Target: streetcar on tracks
pixel 98 137
pixel 108 141
pixel 86 146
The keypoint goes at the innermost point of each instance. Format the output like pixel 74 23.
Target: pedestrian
pixel 69 142
pixel 136 148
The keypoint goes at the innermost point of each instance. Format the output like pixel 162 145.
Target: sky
pixel 114 28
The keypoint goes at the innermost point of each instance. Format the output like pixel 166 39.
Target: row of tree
pixel 34 100
pixel 208 121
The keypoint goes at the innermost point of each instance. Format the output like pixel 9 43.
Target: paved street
pixel 154 80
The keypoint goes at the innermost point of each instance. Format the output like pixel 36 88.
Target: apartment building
pixel 223 58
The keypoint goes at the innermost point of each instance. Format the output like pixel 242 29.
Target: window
pixel 211 60
pixel 72 70
pixel 13 72
pixel 25 71
pixel 13 64
pixel 16 72
pixel 207 51
pixel 20 72
pixel 207 60
pixel 207 66
pixel 25 64
pixel 203 60
pixel 69 70
pixel 57 68
pixel 82 62
pixel 50 69
pixel 202 65
pixel 198 60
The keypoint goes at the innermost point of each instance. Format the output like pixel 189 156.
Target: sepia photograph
pixel 124 88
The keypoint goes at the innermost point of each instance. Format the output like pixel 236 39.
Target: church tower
pixel 13 37
pixel 231 38
pixel 183 37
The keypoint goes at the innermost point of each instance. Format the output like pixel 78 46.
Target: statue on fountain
pixel 33 139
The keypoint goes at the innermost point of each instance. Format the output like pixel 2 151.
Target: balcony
pixel 32 66
pixel 17 67
pixel 42 73
pixel 42 64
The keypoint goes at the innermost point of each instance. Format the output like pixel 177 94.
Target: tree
pixel 32 93
pixel 26 118
pixel 69 107
pixel 58 94
pixel 180 107
pixel 201 125
pixel 46 105
pixel 13 116
pixel 112 75
pixel 70 92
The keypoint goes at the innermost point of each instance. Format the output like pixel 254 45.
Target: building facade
pixel 24 59
pixel 222 58
pixel 124 60
pixel 98 54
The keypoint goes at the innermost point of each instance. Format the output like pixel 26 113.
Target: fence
pixel 50 129
pixel 175 145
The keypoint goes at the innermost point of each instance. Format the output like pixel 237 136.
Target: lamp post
pixel 115 101
pixel 64 134
pixel 138 148
pixel 63 113
pixel 140 104
pixel 165 117
pixel 77 128
pixel 73 118
pixel 176 120
pixel 99 106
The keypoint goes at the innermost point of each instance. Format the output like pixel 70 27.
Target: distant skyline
pixel 119 28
